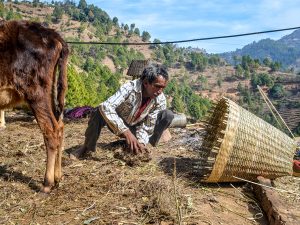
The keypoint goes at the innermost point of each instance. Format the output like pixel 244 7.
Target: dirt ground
pixel 103 189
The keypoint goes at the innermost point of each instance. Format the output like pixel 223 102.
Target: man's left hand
pixel 133 144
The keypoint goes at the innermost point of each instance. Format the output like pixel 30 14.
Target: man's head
pixel 155 78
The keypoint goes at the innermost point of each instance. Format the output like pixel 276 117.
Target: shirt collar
pixel 138 85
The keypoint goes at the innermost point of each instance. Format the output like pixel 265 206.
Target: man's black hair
pixel 154 70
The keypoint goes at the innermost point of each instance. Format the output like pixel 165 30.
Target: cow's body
pixel 30 54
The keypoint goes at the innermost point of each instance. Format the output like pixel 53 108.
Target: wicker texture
pixel 238 143
pixel 136 68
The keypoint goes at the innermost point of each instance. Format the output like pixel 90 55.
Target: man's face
pixel 155 88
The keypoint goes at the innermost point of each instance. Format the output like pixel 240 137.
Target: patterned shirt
pixel 120 110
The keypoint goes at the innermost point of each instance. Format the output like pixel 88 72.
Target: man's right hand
pixel 132 142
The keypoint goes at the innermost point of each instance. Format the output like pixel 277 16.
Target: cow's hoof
pixel 58 182
pixel 62 178
pixel 46 190
pixel 2 128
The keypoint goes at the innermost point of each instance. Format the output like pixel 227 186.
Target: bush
pixel 277 91
pixel 185 100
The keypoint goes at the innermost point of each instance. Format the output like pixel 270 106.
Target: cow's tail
pixel 62 83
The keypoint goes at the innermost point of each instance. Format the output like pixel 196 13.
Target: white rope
pixel 266 101
pixel 277 189
pixel 272 107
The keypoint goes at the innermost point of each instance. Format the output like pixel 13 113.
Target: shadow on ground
pixel 10 175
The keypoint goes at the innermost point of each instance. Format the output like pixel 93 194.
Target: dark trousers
pixel 97 122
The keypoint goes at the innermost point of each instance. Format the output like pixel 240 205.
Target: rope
pixel 266 101
pixel 271 107
pixel 182 41
pixel 277 189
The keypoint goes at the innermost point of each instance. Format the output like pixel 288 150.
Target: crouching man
pixel 137 112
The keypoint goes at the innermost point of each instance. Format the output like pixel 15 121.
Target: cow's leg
pixel 50 129
pixel 57 169
pixel 2 120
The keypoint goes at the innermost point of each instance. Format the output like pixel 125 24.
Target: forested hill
pixel 285 50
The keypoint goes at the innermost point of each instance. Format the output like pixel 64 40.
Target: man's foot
pixel 78 153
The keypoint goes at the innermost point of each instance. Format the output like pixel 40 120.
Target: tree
pixel 91 16
pixel 296 130
pixel 82 4
pixel 214 60
pixel 220 80
pixel 132 26
pixel 239 71
pixel 11 15
pixel 77 93
pixel 57 13
pixel 266 80
pixel 154 46
pixel 126 27
pixel 198 61
pixel 275 66
pixel 195 106
pixel 177 103
pixel 267 62
pixel 247 74
pixel 115 21
pixel 203 82
pixel 261 79
pixel 35 3
pixel 236 59
pixel 146 36
pixel 2 9
pixel 240 87
pixel 89 64
pixel 171 88
pixel 137 31
pixel 277 91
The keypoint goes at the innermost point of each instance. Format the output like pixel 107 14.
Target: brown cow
pixel 30 55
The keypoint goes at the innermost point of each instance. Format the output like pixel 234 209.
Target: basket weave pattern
pixel 240 144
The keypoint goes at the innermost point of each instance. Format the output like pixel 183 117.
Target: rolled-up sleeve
pixel 108 109
pixel 145 130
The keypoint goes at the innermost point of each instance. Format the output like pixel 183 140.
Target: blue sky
pixel 170 20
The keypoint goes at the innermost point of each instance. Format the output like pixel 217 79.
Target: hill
pixel 285 50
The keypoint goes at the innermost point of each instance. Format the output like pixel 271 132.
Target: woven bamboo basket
pixel 239 144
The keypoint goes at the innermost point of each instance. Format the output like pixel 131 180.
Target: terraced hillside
pixel 290 111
